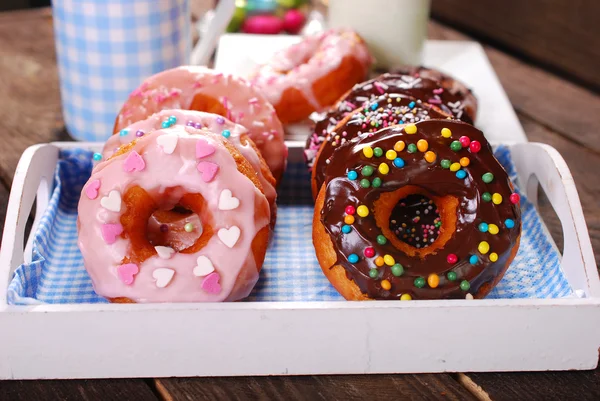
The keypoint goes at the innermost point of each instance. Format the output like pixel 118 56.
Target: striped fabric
pixel 290 272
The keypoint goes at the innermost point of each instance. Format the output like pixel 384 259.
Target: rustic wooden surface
pixel 551 110
pixel 562 35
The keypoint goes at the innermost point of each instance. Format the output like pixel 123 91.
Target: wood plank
pixel 562 35
pixel 31 111
pixel 355 387
pixel 72 390
pixel 564 107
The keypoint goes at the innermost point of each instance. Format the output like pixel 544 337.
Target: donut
pixel 387 109
pixel 203 89
pixel 313 74
pixel 432 216
pixel 469 103
pixel 218 255
pixel 427 90
pixel 236 134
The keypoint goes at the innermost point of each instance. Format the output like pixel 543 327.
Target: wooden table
pixel 551 110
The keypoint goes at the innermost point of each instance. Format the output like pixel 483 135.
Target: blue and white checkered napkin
pixel 105 48
pixel 290 272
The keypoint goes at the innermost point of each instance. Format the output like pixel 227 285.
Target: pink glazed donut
pixel 203 89
pixel 219 254
pixel 235 133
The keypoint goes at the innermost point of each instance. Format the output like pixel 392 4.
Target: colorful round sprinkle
pixel 433 280
pixel 368 151
pixel 474 146
pixel 376 182
pixel 353 258
pixel 461 174
pixel 483 227
pixel 381 240
pixel 352 175
pixel 386 285
pixel 389 260
pixel 369 252
pixel 226 133
pixel 378 152
pixel 445 163
pixel 97 157
pixel 493 229
pixel 509 223
pixel 412 148
pixel 451 276
pixel 464 141
pixel 422 145
pixel 399 162
pixel 364 183
pixel 397 270
pixel 165 124
pixel 493 256
pixel 349 219
pixel 188 227
pixel 483 247
pixel 419 282
pixel 172 119
pixel 373 273
pixel 496 199
pixel 367 171
pixel 430 156
pixel 473 259
pixel 346 229
pixel 350 209
pixel 486 196
pixel 399 146
pixel 452 258
pixel 379 261
pixel 464 285
pixel 464 161
pixel 362 211
pixel 487 177
pixel 139 133
pixel 124 132
pixel 405 297
pixel 455 146
pixel 454 167
pixel 514 198
pixel 410 129
pixel 384 168
pixel 391 154
pixel 446 133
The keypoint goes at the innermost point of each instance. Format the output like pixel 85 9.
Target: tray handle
pixel 33 178
pixel 540 163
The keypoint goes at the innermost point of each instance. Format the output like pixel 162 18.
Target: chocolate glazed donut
pixel 387 109
pixel 426 90
pixel 450 163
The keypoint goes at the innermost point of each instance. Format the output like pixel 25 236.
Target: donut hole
pixel 402 204
pixel 146 213
pixel 416 220
pixel 208 104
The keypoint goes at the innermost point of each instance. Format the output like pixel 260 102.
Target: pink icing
pixel 209 122
pixel 177 88
pixel 289 67
pixel 236 265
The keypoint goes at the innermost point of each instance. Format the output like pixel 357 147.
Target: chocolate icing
pixel 427 90
pixel 437 181
pixel 401 114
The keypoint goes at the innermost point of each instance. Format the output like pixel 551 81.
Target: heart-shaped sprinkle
pixel 227 201
pixel 110 232
pixel 92 189
pixel 167 142
pixel 164 252
pixel 438 91
pixel 163 276
pixel 126 272
pixel 112 202
pixel 208 170
pixel 204 149
pixel 229 236
pixel 134 162
pixel 203 266
pixel 211 284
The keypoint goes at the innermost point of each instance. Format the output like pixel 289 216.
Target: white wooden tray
pixel 272 338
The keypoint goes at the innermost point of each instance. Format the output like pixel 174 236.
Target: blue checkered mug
pixel 106 48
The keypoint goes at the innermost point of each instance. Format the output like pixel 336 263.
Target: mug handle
pixel 206 45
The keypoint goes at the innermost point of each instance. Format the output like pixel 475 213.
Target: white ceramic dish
pixel 271 338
